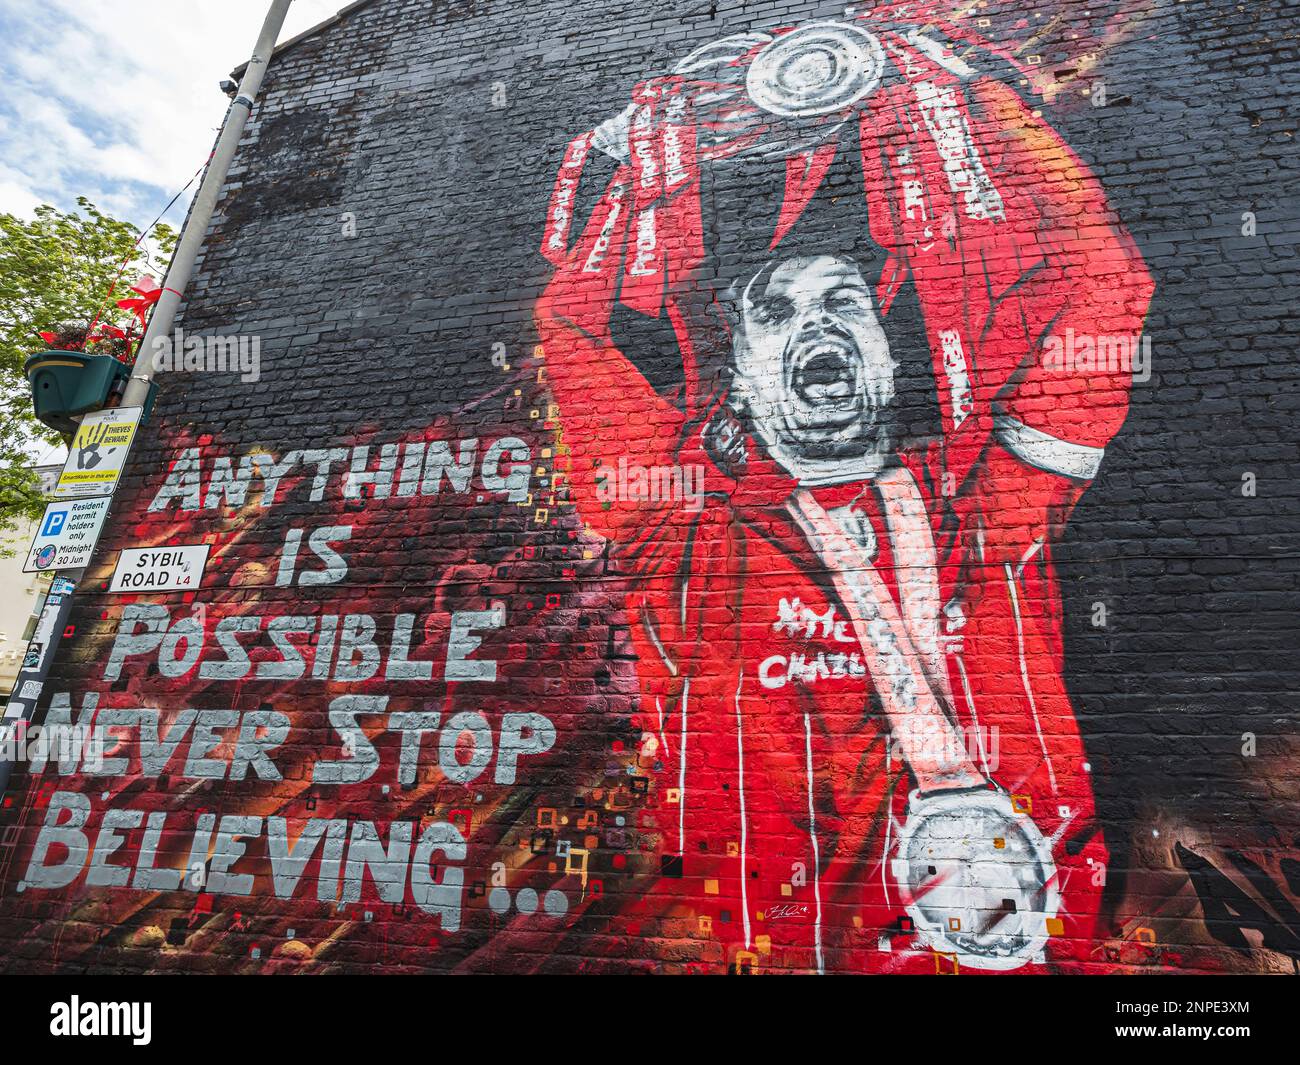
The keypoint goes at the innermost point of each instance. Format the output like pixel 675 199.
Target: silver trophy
pixel 977 878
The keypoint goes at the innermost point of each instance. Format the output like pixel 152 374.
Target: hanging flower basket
pixel 68 384
pixel 86 367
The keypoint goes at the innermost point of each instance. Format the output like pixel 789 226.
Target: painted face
pixel 811 360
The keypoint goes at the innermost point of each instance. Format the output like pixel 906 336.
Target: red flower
pixel 149 293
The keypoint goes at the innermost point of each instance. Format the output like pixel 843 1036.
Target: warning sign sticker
pixel 98 452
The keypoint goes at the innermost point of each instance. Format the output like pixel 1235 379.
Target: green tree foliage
pixel 56 269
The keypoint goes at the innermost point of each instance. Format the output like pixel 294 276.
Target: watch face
pixel 977 879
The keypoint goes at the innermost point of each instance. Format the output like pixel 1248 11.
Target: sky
pixel 118 101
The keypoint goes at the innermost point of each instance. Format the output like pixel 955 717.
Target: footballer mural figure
pixel 822 265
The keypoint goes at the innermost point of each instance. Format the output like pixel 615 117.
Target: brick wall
pixel 733 554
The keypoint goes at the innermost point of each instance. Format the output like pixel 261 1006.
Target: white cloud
pixel 118 101
pixel 17 198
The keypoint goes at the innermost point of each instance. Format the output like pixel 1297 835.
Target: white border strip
pixel 1045 451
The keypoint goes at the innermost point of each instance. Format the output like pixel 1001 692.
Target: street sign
pixel 98 452
pixel 160 569
pixel 67 534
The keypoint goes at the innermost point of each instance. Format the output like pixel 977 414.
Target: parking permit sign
pixel 160 569
pixel 98 452
pixel 66 536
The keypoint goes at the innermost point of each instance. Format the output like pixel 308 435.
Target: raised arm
pixel 1081 302
pixel 609 411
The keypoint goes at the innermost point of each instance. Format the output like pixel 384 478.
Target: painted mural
pixel 856 613
pixel 722 633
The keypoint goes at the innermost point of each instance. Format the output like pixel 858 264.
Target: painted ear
pixel 740 392
pixel 728 302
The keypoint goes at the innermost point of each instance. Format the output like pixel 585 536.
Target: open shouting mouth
pixel 824 385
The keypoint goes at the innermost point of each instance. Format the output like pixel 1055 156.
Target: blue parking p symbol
pixel 54 522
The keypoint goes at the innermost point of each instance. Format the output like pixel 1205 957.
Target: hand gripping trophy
pixel 850 652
